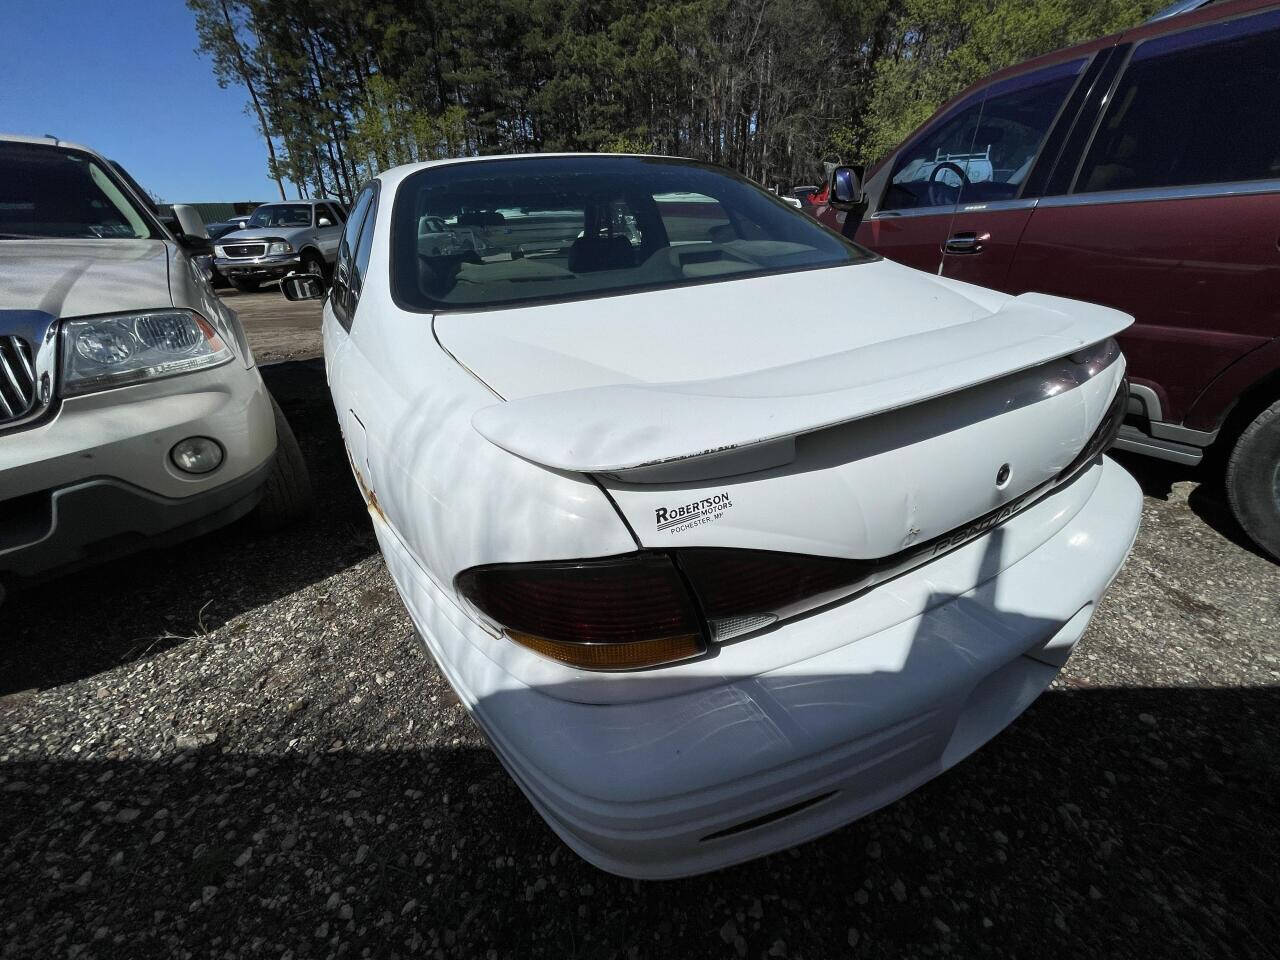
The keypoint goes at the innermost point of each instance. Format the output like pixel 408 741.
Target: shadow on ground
pixel 1107 823
pixel 1207 500
pixel 99 617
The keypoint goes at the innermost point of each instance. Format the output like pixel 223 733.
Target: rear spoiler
pixel 630 426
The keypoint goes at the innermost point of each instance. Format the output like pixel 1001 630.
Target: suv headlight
pixel 103 352
pixel 279 246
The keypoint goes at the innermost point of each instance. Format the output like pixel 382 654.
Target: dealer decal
pixel 689 515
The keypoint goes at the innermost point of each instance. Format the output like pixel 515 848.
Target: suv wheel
pixel 1253 480
pixel 286 496
pixel 245 286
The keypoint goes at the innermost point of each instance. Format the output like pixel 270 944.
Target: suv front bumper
pixel 95 478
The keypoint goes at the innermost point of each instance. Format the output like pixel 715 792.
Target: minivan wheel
pixel 286 496
pixel 1253 480
pixel 245 286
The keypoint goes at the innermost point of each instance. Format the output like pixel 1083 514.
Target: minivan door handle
pixel 965 242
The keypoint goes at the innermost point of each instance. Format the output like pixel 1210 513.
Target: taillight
pixel 618 613
pixel 741 591
pixel 636 610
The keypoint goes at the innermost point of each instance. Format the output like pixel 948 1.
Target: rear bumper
pixel 751 764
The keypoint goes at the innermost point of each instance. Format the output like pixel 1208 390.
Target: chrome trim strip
pixel 1134 441
pixel 951 208
pixel 1177 433
pixel 995 205
pixel 24 394
pixel 1239 188
pixel 29 338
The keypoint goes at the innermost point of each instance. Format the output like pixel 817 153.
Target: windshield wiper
pixel 26 236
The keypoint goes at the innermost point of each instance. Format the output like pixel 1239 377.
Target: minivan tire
pixel 286 496
pixel 245 286
pixel 1253 480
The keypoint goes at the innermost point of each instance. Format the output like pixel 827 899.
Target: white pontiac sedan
pixel 725 530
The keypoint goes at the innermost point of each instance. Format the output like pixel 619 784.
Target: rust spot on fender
pixel 370 498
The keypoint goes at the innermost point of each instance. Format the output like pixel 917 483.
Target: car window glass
pixel 341 295
pixel 926 173
pixel 1013 125
pixel 986 147
pixel 693 218
pixel 360 265
pixel 51 192
pixel 506 231
pixel 282 215
pixel 1189 113
pixel 352 230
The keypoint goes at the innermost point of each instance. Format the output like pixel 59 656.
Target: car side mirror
pixel 846 187
pixel 324 222
pixel 302 286
pixel 845 195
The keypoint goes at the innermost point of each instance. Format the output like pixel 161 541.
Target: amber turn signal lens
pixel 631 655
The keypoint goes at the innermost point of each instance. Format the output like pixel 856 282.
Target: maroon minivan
pixel 1141 171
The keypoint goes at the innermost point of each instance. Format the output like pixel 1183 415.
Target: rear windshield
pixel 52 192
pixel 499 232
pixel 282 215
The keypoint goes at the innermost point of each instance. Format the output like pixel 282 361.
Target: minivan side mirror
pixel 324 222
pixel 846 187
pixel 846 195
pixel 302 286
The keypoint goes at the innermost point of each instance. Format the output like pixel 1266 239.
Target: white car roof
pixel 391 178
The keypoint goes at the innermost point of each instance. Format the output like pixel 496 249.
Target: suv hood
pixel 72 278
pixel 258 233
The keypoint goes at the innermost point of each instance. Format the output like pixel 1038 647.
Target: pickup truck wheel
pixel 245 286
pixel 1253 480
pixel 313 264
pixel 286 496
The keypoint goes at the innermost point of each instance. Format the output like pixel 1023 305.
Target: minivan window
pixel 496 232
pixel 1187 114
pixel 51 192
pixel 987 148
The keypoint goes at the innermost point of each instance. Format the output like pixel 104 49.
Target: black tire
pixel 314 263
pixel 1253 480
pixel 286 496
pixel 245 286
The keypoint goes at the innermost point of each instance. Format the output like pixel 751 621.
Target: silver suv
pixel 131 411
pixel 298 236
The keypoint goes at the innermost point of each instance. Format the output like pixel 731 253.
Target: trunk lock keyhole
pixel 1002 475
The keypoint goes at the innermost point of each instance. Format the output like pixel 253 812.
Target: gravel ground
pixel 235 748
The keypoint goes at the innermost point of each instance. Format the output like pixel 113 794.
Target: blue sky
pixel 123 77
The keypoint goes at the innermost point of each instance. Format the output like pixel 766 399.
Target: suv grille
pixel 17 379
pixel 246 250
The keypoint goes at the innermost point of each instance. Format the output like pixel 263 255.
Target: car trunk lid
pixel 847 417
